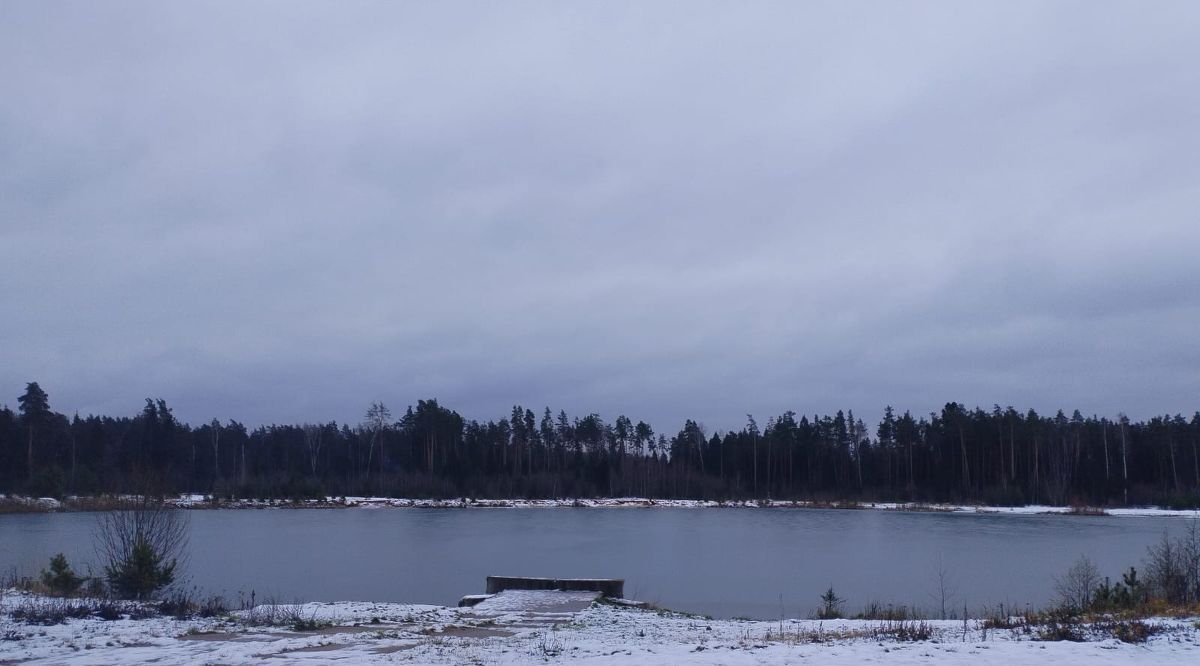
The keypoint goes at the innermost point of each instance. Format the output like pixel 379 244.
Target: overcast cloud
pixel 283 211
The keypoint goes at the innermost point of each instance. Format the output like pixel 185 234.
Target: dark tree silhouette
pixel 1001 456
pixel 35 416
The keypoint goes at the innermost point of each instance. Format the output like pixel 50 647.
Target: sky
pixel 284 211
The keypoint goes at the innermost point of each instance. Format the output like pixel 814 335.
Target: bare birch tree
pixel 1075 588
pixel 312 441
pixel 944 587
pixel 379 417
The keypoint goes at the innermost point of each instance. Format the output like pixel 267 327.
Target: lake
pixel 724 562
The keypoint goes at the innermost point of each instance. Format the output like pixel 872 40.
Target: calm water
pixel 725 562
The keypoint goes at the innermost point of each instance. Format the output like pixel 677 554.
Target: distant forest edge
pixel 1001 456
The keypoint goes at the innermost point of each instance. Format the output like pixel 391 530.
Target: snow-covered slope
pixel 508 633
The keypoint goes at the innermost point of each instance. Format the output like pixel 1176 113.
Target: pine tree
pixel 831 605
pixel 141 574
pixel 60 579
pixel 35 415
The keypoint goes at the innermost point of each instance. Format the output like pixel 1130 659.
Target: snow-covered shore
pixel 356 632
pixel 195 501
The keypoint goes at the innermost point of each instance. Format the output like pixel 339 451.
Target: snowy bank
pixel 198 501
pixel 354 632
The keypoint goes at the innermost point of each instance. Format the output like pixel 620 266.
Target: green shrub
pixel 60 579
pixel 141 574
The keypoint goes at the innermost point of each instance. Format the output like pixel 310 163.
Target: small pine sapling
pixel 831 605
pixel 61 579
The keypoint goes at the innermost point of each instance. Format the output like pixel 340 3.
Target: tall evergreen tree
pixel 35 417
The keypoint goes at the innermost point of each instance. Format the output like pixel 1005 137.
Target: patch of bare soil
pixel 227 637
pixel 327 647
pixel 461 631
pixel 354 629
pixel 393 649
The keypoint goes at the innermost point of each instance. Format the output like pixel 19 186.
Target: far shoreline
pixel 24 504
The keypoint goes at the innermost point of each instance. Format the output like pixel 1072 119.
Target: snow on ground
pixel 198 501
pixel 641 502
pixel 32 503
pixel 514 631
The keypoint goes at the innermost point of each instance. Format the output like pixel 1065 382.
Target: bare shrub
pixel 179 604
pixel 309 623
pixel 110 611
pixel 1173 567
pixel 877 611
pixel 1060 625
pixel 1131 631
pixel 549 646
pixel 1001 621
pixel 1190 545
pixel 49 611
pixel 142 547
pixel 1076 586
pixel 269 613
pixel 213 606
pixel 183 604
pixel 903 631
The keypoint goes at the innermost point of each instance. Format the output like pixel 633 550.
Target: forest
pixel 1000 456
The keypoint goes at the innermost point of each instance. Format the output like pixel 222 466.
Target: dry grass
pixel 274 614
pixel 891 630
pixel 1083 510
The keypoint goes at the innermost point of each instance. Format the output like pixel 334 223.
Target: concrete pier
pixel 608 587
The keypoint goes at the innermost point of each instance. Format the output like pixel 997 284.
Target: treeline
pixel 997 456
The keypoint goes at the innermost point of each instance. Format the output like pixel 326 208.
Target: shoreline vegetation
pixel 25 504
pixel 954 456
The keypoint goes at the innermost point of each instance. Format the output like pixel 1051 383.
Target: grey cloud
pixel 284 211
